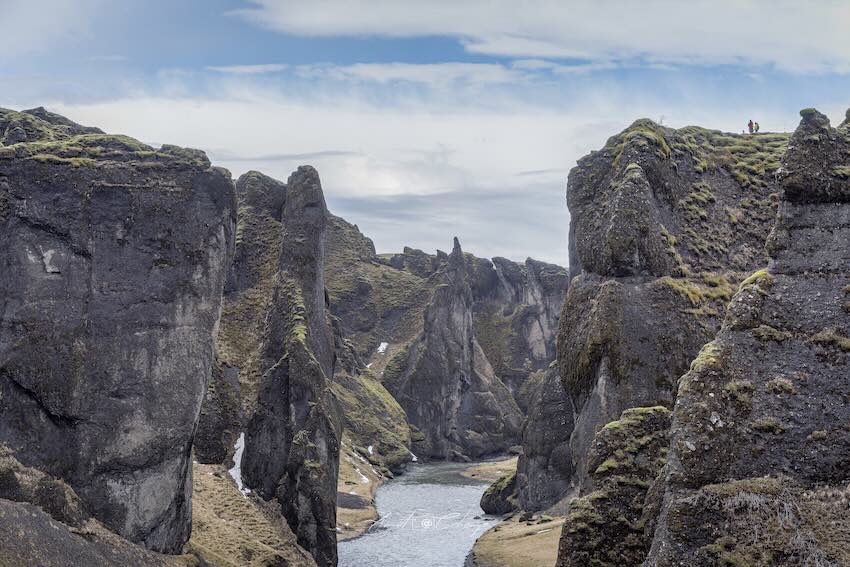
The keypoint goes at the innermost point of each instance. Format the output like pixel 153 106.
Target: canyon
pixel 201 371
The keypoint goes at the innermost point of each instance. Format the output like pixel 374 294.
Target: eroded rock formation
pixel 114 257
pixel 663 224
pixel 545 466
pixel 758 470
pixel 445 383
pixel 277 335
pixel 381 303
pixel 604 526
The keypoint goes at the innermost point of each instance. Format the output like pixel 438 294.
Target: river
pixel 429 518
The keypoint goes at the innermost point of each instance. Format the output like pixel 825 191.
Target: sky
pixel 426 120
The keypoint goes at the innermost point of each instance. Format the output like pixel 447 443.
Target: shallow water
pixel 429 518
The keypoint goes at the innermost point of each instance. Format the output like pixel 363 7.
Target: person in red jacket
pixel 750 126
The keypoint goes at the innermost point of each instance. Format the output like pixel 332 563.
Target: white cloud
pixel 792 35
pixel 248 69
pixel 37 25
pixel 436 75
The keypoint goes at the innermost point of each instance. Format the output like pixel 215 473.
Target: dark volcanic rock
pixel 603 527
pixel 545 466
pixel 500 497
pixel 663 224
pixel 276 331
pixel 381 301
pixel 515 314
pixel 446 384
pixel 221 416
pixel 43 523
pixel 114 260
pixel 760 449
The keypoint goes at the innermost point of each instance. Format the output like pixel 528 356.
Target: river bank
pixel 359 481
pixel 516 543
pixel 432 511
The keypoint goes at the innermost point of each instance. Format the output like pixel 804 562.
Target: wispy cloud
pixel 432 74
pixel 38 25
pixel 248 69
pixel 799 37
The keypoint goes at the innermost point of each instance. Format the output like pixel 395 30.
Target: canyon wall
pixel 664 223
pixel 277 356
pixel 758 467
pixel 455 317
pixel 115 256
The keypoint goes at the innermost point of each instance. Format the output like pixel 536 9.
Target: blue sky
pixel 425 119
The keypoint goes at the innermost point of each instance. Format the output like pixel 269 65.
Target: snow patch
pixel 413 457
pixel 369 448
pixel 363 478
pixel 382 348
pixel 236 471
pixel 47 258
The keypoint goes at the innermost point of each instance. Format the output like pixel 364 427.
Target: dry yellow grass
pixel 230 529
pixel 519 544
pixel 491 471
pixel 358 478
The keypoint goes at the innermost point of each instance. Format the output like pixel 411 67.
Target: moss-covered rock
pixel 758 456
pixel 604 526
pixel 664 224
pixel 501 496
pixel 276 332
pixel 374 419
pixel 382 304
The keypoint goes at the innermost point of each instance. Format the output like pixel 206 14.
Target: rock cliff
pixel 444 381
pixel 114 255
pixel 277 336
pixel 663 224
pixel 759 454
pixel 545 466
pixel 603 527
pixel 381 302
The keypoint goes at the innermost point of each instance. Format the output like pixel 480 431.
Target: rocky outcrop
pixel 664 223
pixel 114 257
pixel 44 523
pixel 545 466
pixel 515 315
pixel 445 383
pixel 222 416
pixel 604 526
pixel 277 334
pixel 500 497
pixel 758 468
pixel 381 302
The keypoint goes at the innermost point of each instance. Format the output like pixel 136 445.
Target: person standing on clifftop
pixel 750 126
pixel 757 127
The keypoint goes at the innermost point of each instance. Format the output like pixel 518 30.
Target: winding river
pixel 429 518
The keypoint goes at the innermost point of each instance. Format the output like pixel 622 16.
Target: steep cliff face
pixel 603 527
pixel 664 223
pixel 114 257
pixel 43 522
pixel 277 335
pixel 760 450
pixel 446 384
pixel 516 313
pixel 372 303
pixel 381 303
pixel 545 466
